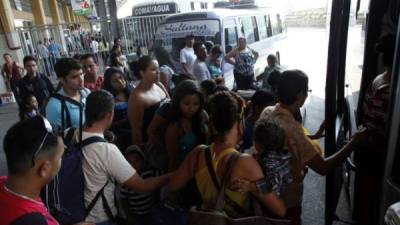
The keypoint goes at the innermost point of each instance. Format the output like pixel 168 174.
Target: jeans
pixel 243 81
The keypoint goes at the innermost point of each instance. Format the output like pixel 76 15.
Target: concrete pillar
pixel 71 14
pixel 38 12
pixel 9 39
pixel 101 10
pixel 55 14
pixel 67 16
pixel 112 6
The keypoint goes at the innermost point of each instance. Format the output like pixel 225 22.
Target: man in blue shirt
pixel 69 73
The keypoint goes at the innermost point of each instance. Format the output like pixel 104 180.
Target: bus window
pixel 268 25
pixel 230 38
pixel 262 27
pixel 280 25
pixel 255 28
pixel 274 25
pixel 171 36
pixel 248 29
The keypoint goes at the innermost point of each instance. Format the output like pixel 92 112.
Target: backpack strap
pixel 222 197
pixel 232 160
pixel 210 168
pixel 95 199
pixel 64 109
pixel 92 140
pixel 70 135
pixel 100 193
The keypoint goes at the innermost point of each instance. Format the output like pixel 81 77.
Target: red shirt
pixel 13 206
pixel 12 70
pixel 95 86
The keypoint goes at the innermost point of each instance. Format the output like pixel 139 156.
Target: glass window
pixel 192 6
pixel 23 5
pixel 255 28
pixel 280 25
pixel 171 36
pixel 230 38
pixel 274 25
pixel 248 29
pixel 268 24
pixel 262 27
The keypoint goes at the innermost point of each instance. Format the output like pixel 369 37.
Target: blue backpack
pixel 64 196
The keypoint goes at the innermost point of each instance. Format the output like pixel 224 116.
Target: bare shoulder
pixel 248 167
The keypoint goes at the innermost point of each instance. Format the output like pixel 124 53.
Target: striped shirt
pixel 141 203
pixel 275 166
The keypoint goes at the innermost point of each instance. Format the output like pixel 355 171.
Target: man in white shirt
pixel 200 69
pixel 94 45
pixel 103 162
pixel 187 56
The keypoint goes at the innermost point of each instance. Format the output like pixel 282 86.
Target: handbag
pixel 216 216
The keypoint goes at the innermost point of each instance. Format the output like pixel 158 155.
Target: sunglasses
pixel 49 130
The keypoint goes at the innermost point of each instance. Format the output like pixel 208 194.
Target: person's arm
pixel 136 183
pixel 186 171
pixel 164 79
pixel 320 133
pixel 248 168
pixel 256 55
pixel 135 115
pixel 323 166
pixel 183 62
pixel 228 57
pixel 158 123
pixel 171 145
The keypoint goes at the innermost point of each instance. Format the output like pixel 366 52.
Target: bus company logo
pixel 184 27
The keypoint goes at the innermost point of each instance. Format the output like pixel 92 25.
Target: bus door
pixel 391 177
pixel 230 42
pixel 335 104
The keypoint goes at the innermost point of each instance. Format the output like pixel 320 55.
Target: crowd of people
pixel 168 140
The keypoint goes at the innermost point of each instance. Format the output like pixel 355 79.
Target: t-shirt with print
pixel 200 70
pixel 14 209
pixel 53 109
pixel 188 57
pixel 299 145
pixel 102 162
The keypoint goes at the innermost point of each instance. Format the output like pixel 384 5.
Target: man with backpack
pixel 103 164
pixel 65 108
pixel 35 83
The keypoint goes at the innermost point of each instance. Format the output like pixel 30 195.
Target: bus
pixel 344 98
pixel 261 28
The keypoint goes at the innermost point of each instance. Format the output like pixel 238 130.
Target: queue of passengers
pixel 168 143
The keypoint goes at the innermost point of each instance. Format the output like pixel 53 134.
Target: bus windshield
pixel 171 36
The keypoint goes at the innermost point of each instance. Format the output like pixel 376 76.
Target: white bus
pixel 223 27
